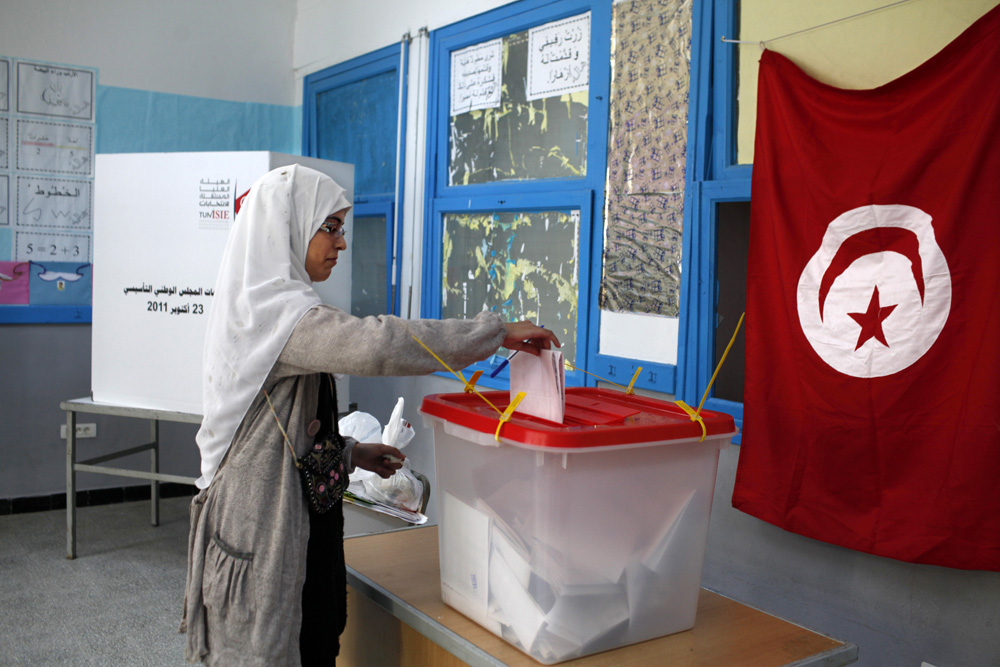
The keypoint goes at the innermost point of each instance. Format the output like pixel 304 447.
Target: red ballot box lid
pixel 594 417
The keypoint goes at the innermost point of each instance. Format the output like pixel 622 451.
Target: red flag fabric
pixel 872 396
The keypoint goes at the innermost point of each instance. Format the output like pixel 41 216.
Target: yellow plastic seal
pixel 505 417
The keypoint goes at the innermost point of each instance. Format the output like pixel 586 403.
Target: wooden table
pixel 399 573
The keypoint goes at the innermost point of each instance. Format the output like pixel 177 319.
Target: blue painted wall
pixel 142 121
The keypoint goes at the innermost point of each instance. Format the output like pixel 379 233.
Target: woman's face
pixel 324 247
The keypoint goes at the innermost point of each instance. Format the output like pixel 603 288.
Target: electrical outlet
pixel 82 431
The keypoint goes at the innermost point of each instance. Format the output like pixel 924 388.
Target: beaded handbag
pixel 322 470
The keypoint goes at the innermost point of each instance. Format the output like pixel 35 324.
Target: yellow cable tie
pixel 695 417
pixel 470 386
pixel 460 376
pixel 441 361
pixel 721 361
pixel 505 417
pixel 635 377
pixel 574 368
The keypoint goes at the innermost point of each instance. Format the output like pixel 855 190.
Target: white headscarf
pixel 261 293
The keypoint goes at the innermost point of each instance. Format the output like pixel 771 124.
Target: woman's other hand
pixel 374 456
pixel 528 337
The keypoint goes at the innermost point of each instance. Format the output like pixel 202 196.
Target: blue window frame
pixel 720 218
pixel 355 112
pixel 568 198
pixel 716 198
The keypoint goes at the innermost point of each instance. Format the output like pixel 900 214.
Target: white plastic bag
pixel 398 431
pixel 402 489
pixel 361 426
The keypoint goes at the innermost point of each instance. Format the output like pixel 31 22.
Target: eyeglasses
pixel 334 227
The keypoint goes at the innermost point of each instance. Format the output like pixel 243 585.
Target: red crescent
pixel 869 242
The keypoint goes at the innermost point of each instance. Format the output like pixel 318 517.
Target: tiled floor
pixel 118 603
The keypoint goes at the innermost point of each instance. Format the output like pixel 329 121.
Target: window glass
pixel 522 265
pixel 644 221
pixel 534 85
pixel 368 275
pixel 733 238
pixel 357 124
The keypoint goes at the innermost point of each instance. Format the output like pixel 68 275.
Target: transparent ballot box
pixel 574 538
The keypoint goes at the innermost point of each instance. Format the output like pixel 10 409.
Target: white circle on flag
pixel 869 312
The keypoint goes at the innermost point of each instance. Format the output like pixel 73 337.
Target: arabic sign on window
pixel 520 265
pixel 520 138
pixel 651 54
pixel 475 77
pixel 559 57
pixel 47 121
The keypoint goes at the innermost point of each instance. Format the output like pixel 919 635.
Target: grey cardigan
pixel 250 528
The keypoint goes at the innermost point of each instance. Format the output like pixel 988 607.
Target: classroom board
pixel 160 227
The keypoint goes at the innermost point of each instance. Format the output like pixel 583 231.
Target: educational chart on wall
pixel 47 123
pixel 162 224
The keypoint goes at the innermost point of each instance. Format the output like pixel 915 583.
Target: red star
pixel 871 321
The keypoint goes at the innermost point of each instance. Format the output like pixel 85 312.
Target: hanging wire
pixel 763 42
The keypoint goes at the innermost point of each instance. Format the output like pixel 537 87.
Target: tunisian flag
pixel 872 396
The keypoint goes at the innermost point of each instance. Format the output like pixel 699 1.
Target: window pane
pixel 368 268
pixel 520 265
pixel 522 138
pixel 357 124
pixel 647 161
pixel 733 233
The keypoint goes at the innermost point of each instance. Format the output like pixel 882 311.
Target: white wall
pixel 328 32
pixel 222 49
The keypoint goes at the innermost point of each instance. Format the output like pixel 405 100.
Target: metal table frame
pixel 87 405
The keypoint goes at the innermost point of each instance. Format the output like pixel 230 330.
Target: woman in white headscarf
pixel 266 577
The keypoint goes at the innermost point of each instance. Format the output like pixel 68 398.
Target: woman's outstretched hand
pixel 382 460
pixel 528 337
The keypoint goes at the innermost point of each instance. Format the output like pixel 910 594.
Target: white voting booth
pixel 161 221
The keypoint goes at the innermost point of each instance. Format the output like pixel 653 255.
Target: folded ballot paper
pixel 496 572
pixel 543 380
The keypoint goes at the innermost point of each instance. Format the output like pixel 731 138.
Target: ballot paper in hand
pixel 543 380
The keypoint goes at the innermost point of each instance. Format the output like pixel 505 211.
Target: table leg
pixel 154 463
pixel 70 484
